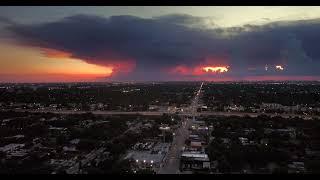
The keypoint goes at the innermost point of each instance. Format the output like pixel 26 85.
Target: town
pixel 160 128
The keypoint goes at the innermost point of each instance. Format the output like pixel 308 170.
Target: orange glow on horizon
pixel 181 69
pixel 75 66
pixel 47 65
pixel 218 69
pixel 51 77
pixel 52 53
pixel 198 70
pixel 278 67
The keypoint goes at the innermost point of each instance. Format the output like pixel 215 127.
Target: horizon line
pixel 157 81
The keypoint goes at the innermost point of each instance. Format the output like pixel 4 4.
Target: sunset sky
pixel 66 44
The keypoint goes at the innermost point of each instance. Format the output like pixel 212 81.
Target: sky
pixel 182 43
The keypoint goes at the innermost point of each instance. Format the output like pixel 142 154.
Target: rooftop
pixel 194 154
pixel 145 156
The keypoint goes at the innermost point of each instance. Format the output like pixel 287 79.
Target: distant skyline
pixel 66 44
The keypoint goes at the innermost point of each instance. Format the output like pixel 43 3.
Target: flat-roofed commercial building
pixel 194 161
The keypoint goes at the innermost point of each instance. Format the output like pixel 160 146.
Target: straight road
pixel 159 113
pixel 172 159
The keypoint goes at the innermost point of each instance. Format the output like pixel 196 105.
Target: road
pixel 172 159
pixel 159 113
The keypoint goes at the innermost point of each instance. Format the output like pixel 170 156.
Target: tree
pixel 280 170
pixel 122 167
pixel 145 171
pixel 224 166
pixel 86 144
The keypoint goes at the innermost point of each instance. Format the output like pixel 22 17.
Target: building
pixel 148 158
pixel 14 150
pixel 296 167
pixel 194 160
pixel 234 108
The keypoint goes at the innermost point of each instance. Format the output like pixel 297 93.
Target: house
pixel 154 107
pixel 14 150
pixel 75 141
pixel 296 167
pixel 148 125
pixel 244 141
pixel 264 141
pixel 11 147
pixel 271 106
pixel 225 140
pixel 234 108
pixel 70 149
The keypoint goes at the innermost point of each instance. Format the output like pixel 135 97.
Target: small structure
pixel 14 150
pixel 75 141
pixel 296 167
pixel 244 141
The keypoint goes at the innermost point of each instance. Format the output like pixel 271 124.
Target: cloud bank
pixel 178 46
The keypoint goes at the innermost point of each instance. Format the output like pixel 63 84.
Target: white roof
pixel 66 148
pixel 56 128
pixel 145 155
pixel 75 141
pixel 16 136
pixel 194 155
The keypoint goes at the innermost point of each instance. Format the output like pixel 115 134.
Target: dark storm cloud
pixel 4 20
pixel 150 43
pixel 186 20
pixel 163 42
pixel 284 43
